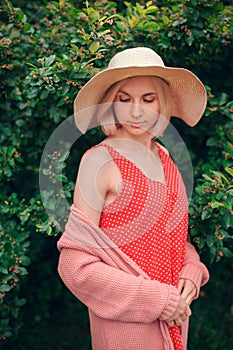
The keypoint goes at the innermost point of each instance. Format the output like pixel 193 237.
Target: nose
pixel 136 110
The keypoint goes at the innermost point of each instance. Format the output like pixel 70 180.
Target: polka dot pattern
pixel 148 221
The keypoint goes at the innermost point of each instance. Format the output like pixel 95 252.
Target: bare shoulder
pixel 92 183
pixel 96 167
pixel 95 156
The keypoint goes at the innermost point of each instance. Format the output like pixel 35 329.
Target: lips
pixel 138 125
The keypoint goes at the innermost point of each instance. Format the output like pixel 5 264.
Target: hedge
pixel 48 51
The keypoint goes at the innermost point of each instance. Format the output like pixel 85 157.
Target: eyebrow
pixel 146 94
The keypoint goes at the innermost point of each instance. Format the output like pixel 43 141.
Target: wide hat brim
pixel 188 93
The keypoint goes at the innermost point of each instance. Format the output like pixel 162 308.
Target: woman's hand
pixel 187 291
pixel 182 312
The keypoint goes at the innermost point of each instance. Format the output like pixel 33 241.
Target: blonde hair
pixel 105 113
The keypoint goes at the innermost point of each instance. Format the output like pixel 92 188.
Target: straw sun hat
pixel 188 93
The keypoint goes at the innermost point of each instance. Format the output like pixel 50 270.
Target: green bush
pixel 48 51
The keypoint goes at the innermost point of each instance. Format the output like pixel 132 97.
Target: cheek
pixel 156 107
pixel 121 110
pixel 153 118
pixel 150 108
pixel 153 113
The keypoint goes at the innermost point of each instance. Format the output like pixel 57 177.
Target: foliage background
pixel 49 49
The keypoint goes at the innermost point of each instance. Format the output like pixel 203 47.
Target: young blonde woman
pixel 125 251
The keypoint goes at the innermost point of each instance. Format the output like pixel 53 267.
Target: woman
pixel 125 252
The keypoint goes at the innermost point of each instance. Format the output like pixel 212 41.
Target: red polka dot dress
pixel 148 221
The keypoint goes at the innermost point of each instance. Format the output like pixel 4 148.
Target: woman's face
pixel 137 108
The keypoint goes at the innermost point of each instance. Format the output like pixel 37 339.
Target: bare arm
pixel 92 183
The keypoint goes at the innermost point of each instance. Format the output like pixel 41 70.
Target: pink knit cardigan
pixel 126 309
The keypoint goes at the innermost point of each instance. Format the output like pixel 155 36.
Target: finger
pixel 181 285
pixel 188 312
pixel 179 318
pixel 171 324
pixel 187 295
pixel 189 291
pixel 190 298
pixel 179 322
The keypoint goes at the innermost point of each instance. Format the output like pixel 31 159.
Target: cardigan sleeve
pixel 194 269
pixel 112 293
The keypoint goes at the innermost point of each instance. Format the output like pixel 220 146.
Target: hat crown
pixel 136 57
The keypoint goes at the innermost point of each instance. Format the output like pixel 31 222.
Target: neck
pixel 131 141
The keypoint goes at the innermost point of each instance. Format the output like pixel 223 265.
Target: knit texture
pixel 119 295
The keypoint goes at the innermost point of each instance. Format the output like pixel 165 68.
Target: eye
pixel 149 100
pixel 124 99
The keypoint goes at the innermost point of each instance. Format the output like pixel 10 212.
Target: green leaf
pixel 20 302
pixel 189 40
pixel 215 204
pixel 63 156
pixel 210 240
pixel 227 252
pixel 151 9
pixel 46 172
pixel 61 102
pixel 20 123
pixel 25 260
pixel 201 242
pixel 229 171
pixel 44 95
pixel 49 60
pixel 22 271
pixel 93 15
pixel 228 220
pixel 220 175
pixel 75 48
pixel 212 141
pixel 151 25
pixel 165 43
pixel 62 178
pixel 5 288
pixel 213 253
pixel 22 236
pixel 206 214
pixel 222 99
pixel 101 34
pixel 22 105
pixel 94 46
pixel 49 230
pixel 7 334
pixel 19 15
pixel 4 270
pixel 165 19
